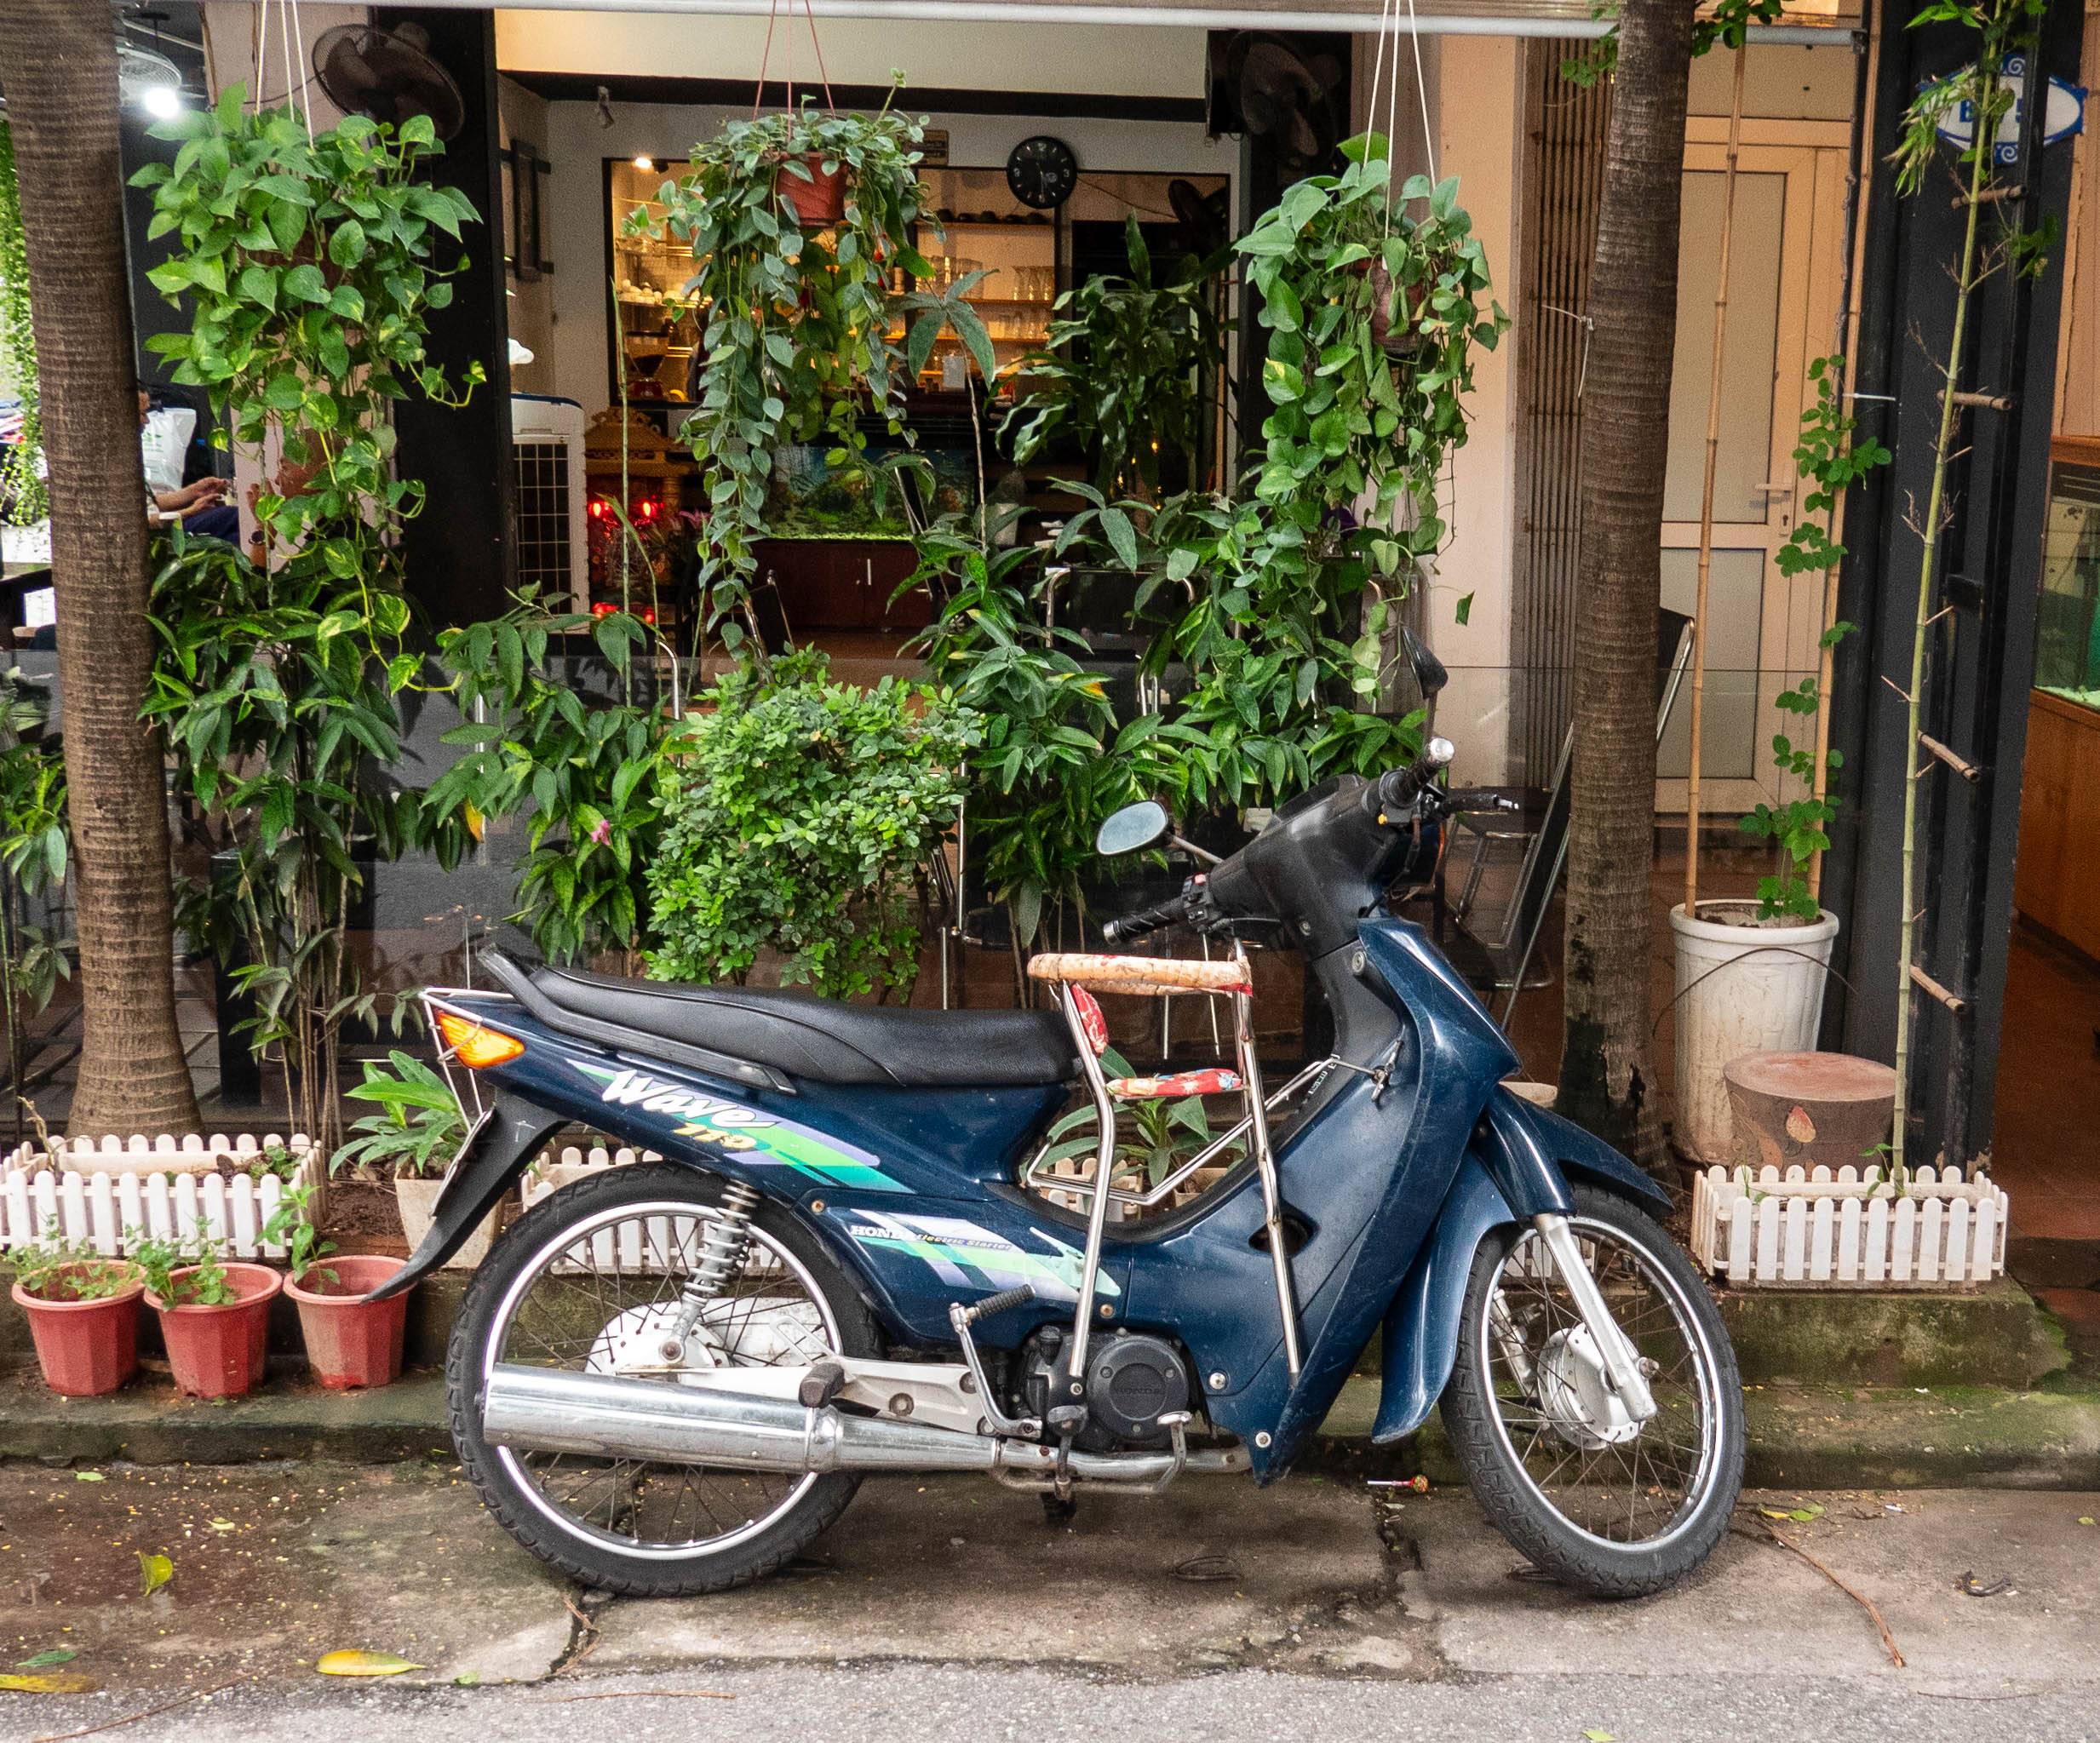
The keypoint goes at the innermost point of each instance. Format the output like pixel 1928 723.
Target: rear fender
pixel 499 1150
pixel 1421 1330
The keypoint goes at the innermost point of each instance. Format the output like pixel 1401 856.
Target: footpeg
pixel 823 1383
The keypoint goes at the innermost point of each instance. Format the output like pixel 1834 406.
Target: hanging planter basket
pixel 815 194
pixel 1408 339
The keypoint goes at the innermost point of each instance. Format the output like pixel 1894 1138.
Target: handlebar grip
pixel 1145 921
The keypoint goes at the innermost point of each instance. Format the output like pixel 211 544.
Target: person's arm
pixel 202 494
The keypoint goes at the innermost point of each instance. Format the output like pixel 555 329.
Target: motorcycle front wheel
pixel 586 1281
pixel 1606 1505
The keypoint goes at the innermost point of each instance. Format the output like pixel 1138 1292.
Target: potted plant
pixel 412 1136
pixel 1128 372
pixel 350 1340
pixel 213 1316
pixel 82 1308
pixel 1751 972
pixel 799 299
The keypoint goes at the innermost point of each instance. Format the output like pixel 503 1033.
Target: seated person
pixel 201 507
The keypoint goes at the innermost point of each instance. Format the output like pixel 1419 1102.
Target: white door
pixel 1762 630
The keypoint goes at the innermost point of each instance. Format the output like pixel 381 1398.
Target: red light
pixel 649 614
pixel 647 509
pixel 602 608
pixel 599 509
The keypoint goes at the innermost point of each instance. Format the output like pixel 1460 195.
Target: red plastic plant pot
pixel 820 202
pixel 351 1341
pixel 85 1348
pixel 217 1352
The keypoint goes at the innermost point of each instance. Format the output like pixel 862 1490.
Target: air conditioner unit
pixel 552 536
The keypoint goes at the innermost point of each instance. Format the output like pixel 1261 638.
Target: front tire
pixel 567 1281
pixel 1608 1509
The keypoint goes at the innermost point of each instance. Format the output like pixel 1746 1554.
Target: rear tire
pixel 1555 1498
pixel 621 1210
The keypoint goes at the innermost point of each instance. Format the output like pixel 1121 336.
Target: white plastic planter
pixel 1740 989
pixel 1760 1229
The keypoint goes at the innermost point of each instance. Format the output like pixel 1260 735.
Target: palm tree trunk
pixel 1606 1082
pixel 61 58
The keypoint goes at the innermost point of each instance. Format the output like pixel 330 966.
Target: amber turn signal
pixel 475 1046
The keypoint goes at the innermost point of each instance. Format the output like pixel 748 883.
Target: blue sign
pixel 2063 116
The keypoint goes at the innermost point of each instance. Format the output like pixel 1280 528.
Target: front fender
pixel 1422 1329
pixel 1531 1152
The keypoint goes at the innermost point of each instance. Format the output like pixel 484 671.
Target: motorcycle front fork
pixel 1622 1363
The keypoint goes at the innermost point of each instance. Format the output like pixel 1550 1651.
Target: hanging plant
pixel 797 306
pixel 24 500
pixel 1374 310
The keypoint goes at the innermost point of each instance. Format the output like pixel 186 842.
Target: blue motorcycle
pixel 842 1254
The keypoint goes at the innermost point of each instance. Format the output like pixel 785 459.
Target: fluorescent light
pixel 163 102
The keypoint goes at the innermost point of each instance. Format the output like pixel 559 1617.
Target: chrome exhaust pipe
pixel 601 1416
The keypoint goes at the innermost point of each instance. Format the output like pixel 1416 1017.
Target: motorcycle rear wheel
pixel 568 1276
pixel 1609 1510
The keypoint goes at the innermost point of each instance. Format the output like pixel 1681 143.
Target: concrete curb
pixel 1799 1437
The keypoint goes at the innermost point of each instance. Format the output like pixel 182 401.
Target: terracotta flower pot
pixel 820 201
pixel 351 1341
pixel 1393 343
pixel 217 1352
pixel 85 1348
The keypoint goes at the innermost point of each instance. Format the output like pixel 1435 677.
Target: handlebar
pixel 1146 921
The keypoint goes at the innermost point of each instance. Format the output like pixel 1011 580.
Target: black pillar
pixel 1981 653
pixel 457 553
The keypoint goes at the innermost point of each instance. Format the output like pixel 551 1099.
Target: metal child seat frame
pixel 1159 977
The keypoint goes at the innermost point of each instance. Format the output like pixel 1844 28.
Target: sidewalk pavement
pixel 947 1608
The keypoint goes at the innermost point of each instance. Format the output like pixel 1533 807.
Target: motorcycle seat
pixel 825 1040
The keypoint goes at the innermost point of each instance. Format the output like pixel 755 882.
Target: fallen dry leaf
pixel 355 1662
pixel 59 1683
pixel 154 1572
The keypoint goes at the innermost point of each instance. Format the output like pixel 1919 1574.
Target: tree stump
pixel 1814 1109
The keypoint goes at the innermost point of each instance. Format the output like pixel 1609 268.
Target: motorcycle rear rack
pixel 1164 977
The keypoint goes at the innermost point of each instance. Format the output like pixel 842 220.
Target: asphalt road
pixel 949 1610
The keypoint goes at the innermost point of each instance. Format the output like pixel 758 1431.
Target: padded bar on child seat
pixel 1139 974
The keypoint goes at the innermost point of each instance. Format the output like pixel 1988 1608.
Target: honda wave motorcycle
pixel 841 1257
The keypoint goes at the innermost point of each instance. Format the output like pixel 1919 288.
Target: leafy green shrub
pixel 799 813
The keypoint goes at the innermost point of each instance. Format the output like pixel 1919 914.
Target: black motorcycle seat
pixel 824 1041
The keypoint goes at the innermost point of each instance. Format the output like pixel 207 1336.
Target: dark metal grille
pixel 1564 170
pixel 541 538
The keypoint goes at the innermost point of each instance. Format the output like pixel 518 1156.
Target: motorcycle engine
pixel 1133 1379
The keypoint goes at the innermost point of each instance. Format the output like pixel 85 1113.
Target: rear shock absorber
pixel 724 1240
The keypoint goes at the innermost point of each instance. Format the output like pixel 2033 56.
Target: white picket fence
pixel 1815 1230
pixel 166 1187
pixel 553 1170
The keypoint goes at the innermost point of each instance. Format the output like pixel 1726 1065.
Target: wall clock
pixel 1042 172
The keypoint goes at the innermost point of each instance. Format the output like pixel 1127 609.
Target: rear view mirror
pixel 1429 672
pixel 1134 826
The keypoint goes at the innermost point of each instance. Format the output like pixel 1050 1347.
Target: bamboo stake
pixel 1861 193
pixel 1931 532
pixel 1705 496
